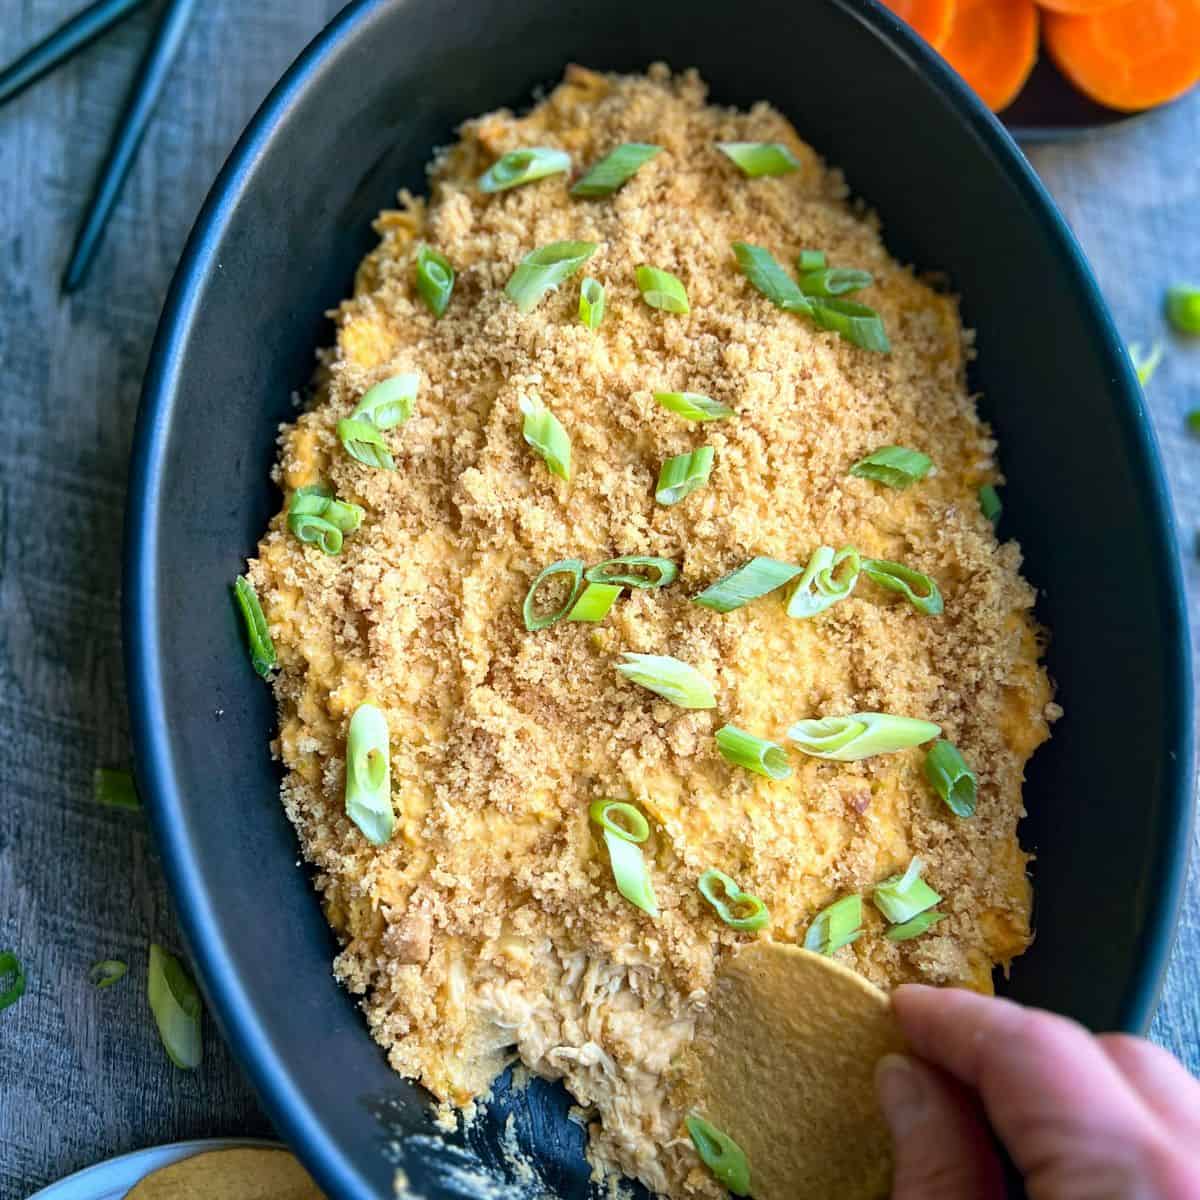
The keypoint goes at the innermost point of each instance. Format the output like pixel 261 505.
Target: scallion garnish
pixel 316 518
pixel 720 1154
pixel 828 282
pixel 830 576
pixel 860 735
pixel 952 779
pixel 918 589
pixel 630 872
pixel 989 503
pixel 855 322
pixel 764 272
pixel 107 972
pixel 1192 420
pixel 1183 309
pixel 661 289
pixel 760 158
pixel 12 979
pixel 1144 365
pixel 390 402
pixel 614 169
pixel 750 581
pixel 175 1002
pixel 739 910
pixel 435 279
pixel 907 930
pixel 902 897
pixel 258 635
pixel 808 261
pixel 114 789
pixel 369 775
pixel 545 268
pixel 835 926
pixel 363 442
pixel 523 166
pixel 682 474
pixel 753 753
pixel 896 466
pixel 591 302
pixel 692 406
pixel 544 432
pixel 659 571
pixel 670 678
pixel 620 819
pixel 572 567
pixel 594 602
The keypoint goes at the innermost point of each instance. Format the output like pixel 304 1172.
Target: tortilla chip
pixel 783 1062
pixel 244 1174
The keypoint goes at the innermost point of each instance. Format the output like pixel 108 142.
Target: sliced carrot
pixel 993 46
pixel 1131 57
pixel 930 18
pixel 1079 8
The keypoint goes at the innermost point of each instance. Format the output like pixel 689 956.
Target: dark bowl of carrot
pixel 275 248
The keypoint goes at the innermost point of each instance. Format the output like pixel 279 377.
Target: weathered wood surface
pixel 82 1076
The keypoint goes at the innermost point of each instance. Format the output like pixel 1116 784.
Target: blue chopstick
pixel 122 150
pixel 62 43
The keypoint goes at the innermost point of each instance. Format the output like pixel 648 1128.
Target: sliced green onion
pixel 754 753
pixel 614 169
pixel 918 589
pixel 739 910
pixel 591 302
pixel 10 969
pixel 316 532
pixel 661 289
pixel 114 789
pixel 632 826
pixel 952 779
pixel 682 474
pixel 855 322
pixel 565 566
pixel 594 602
pixel 808 261
pixel 670 678
pixel 107 972
pixel 828 282
pixel 756 578
pixel 720 1154
pixel 362 441
pixel 544 432
pixel 829 577
pixel 369 775
pixel 659 571
pixel 902 897
pixel 523 166
pixel 835 926
pixel 545 268
pixel 692 406
pixel 989 503
pixel 258 636
pixel 388 403
pixel 1193 421
pixel 761 268
pixel 760 158
pixel 315 517
pixel 907 930
pixel 630 872
pixel 1145 365
pixel 896 466
pixel 1183 308
pixel 435 279
pixel 860 735
pixel 175 1002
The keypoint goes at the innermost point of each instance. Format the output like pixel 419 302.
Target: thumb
pixel 942 1150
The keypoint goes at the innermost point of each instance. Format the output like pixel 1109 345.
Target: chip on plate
pixel 248 1173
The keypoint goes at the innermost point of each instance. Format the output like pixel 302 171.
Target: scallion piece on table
pixel 258 635
pixel 594 602
pixel 630 872
pixel 435 279
pixel 12 979
pixel 895 466
pixel 692 406
pixel 668 677
pixel 1183 309
pixel 389 402
pixel 1145 364
pixel 662 290
pixel 682 474
pixel 952 779
pixel 369 775
pixel 769 277
pixel 828 282
pixel 364 443
pixel 571 567
pixel 907 930
pixel 760 158
pixel 544 432
pixel 175 1002
pixel 545 268
pixel 750 581
pixel 108 971
pixel 518 167
pixel 739 910
pixel 753 753
pixel 634 570
pixel 621 819
pixel 830 576
pixel 808 261
pixel 856 323
pixel 902 897
pixel 918 589
pixel 614 170
pixel 860 735
pixel 989 503
pixel 720 1154
pixel 835 926
pixel 591 302
pixel 114 789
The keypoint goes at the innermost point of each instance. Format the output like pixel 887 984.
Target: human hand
pixel 1082 1117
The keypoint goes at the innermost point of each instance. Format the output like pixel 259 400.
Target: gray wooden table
pixel 82 1075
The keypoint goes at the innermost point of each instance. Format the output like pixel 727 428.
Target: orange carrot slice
pixel 1131 57
pixel 993 46
pixel 930 18
pixel 1079 7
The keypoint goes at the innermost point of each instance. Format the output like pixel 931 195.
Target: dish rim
pixel 237 1015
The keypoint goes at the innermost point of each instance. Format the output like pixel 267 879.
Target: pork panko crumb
pixel 489 927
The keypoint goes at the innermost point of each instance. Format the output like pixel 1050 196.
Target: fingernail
pixel 903 1093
